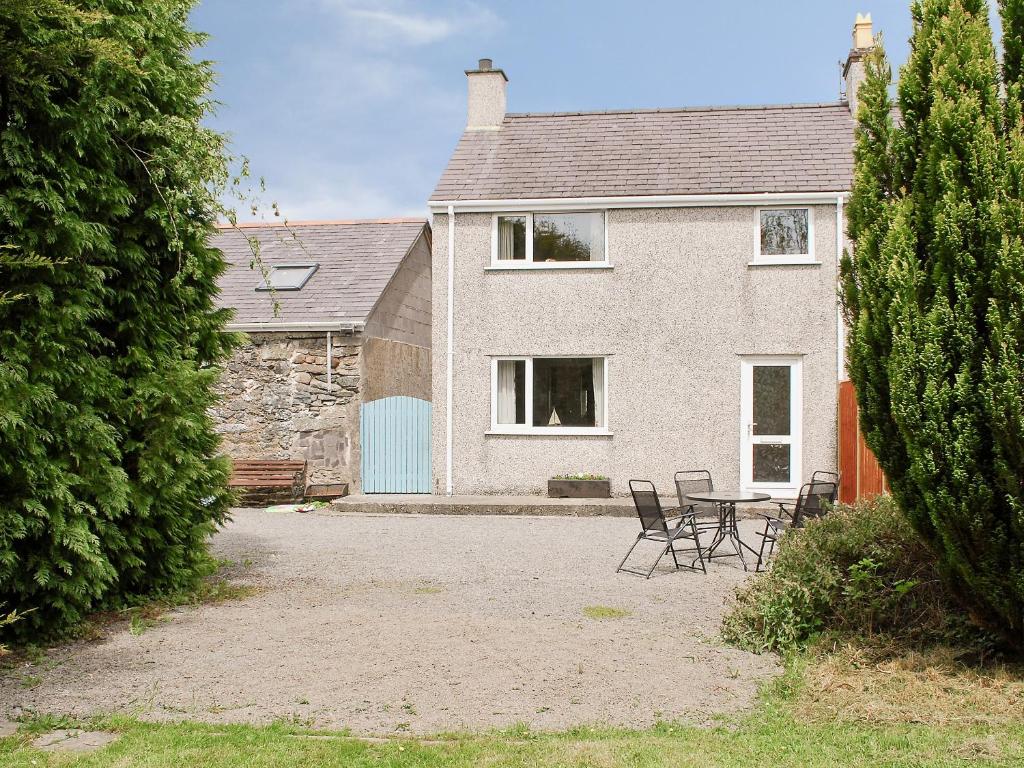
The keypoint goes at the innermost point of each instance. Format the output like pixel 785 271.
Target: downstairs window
pixel 549 395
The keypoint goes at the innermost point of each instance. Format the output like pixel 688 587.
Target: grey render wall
pixel 674 314
pixel 391 368
pixel 403 312
pixel 396 355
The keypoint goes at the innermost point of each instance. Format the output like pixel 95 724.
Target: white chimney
pixel 486 97
pixel 853 71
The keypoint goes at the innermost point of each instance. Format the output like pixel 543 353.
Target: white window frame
pixel 528 262
pixel 795 439
pixel 528 428
pixel 791 258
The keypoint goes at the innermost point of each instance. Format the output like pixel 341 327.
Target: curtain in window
pixel 506 239
pixel 599 395
pixel 506 391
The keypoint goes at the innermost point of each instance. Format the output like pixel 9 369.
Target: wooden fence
pixel 861 475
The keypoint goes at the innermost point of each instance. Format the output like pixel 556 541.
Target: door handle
pixel 750 428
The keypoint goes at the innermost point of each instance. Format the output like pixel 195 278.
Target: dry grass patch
pixel 428 589
pixel 934 687
pixel 605 612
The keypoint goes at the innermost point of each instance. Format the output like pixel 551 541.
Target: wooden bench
pixel 261 482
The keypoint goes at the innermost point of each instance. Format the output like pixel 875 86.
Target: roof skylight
pixel 288 277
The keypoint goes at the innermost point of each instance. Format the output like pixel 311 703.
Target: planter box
pixel 579 489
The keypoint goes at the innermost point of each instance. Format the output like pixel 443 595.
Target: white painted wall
pixel 674 315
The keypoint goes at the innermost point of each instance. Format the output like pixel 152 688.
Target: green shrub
pixel 860 570
pixel 110 340
pixel 934 294
pixel 5 621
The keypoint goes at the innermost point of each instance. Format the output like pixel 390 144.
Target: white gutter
pixel 450 353
pixel 840 327
pixel 271 327
pixel 638 201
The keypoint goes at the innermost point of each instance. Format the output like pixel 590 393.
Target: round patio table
pixel 726 502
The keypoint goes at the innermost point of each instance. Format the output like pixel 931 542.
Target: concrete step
pixel 426 504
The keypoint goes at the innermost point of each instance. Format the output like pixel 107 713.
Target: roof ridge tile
pixel 671 110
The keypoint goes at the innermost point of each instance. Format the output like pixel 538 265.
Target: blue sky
pixel 350 108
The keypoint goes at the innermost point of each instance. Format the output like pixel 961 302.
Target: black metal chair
pixel 697 481
pixel 815 499
pixel 656 527
pixel 787 507
pixel 825 476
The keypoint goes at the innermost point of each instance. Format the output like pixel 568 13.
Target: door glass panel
pixel 772 399
pixel 771 463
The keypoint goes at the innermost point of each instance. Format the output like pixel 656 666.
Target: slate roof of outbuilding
pixel 357 261
pixel 698 150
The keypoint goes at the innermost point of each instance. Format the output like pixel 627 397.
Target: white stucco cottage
pixel 636 292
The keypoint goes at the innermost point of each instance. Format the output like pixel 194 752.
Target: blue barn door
pixel 395 445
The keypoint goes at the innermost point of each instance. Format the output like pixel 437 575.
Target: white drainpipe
pixel 840 329
pixel 450 351
pixel 330 354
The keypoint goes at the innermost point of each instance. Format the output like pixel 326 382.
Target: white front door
pixel 771 392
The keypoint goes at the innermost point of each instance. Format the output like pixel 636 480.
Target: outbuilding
pixel 335 366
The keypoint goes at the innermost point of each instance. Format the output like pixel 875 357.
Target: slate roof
pixel 357 260
pixel 705 150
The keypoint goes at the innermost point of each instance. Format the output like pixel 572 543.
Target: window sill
pixel 547 265
pixel 781 261
pixel 552 432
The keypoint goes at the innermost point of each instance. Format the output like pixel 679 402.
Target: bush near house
pixel 861 571
pixel 934 295
pixel 109 340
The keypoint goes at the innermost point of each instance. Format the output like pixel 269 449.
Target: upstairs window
pixel 549 240
pixel 512 238
pixel 549 395
pixel 287 277
pixel 784 236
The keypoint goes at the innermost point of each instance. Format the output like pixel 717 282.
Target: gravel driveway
pixel 387 624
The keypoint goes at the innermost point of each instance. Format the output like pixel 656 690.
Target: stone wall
pixel 276 404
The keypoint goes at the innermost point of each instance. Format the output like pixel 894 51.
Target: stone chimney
pixel 853 71
pixel 486 97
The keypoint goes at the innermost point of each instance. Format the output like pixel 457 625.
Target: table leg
pixel 734 535
pixel 739 543
pixel 720 534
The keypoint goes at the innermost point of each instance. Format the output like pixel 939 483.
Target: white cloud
pixel 392 21
pixel 417 30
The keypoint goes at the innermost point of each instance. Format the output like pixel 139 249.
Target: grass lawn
pixel 797 723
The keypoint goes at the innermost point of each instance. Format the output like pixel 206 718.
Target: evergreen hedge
pixel 109 338
pixel 934 295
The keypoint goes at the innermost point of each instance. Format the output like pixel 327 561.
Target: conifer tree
pixel 109 338
pixel 933 297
